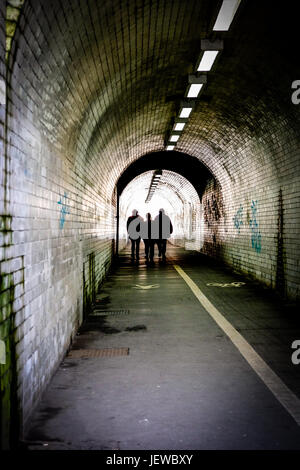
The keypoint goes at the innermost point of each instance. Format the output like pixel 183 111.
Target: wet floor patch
pixel 136 328
pixel 102 299
pixel 37 438
pixel 68 365
pixel 36 435
pixel 109 330
pixel 98 323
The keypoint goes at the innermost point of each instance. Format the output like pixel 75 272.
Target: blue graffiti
pixel 255 233
pixel 64 210
pixel 238 219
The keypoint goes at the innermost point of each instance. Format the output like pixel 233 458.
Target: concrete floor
pixel 184 385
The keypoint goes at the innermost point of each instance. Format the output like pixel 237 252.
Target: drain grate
pixel 102 313
pixel 107 352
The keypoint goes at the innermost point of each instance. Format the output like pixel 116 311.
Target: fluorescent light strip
pixel 194 90
pixel 226 15
pixel 185 112
pixel 170 147
pixel 179 126
pixel 174 138
pixel 207 61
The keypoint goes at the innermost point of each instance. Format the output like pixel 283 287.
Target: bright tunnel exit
pixel 176 195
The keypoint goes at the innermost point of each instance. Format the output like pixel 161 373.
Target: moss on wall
pixel 13 10
pixel 9 402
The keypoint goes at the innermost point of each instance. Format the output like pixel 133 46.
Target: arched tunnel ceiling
pixel 187 166
pixel 111 75
pixel 172 191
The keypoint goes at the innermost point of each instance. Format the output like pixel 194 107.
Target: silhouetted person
pixel 134 221
pixel 163 228
pixel 155 235
pixel 146 234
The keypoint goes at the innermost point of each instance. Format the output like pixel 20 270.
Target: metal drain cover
pixel 102 313
pixel 107 352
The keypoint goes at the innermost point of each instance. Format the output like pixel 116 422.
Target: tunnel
pixel 112 106
pixel 180 191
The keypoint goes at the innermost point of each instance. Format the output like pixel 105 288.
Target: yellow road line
pixel 283 394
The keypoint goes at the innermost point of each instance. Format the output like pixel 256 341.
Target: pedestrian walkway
pixel 151 368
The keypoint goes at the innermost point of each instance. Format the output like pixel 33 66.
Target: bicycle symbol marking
pixel 230 284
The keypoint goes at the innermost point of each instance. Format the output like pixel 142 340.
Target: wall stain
pixel 10 408
pixel 213 212
pixel 255 233
pixel 280 274
pixel 89 283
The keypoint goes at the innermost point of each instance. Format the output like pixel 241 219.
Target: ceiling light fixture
pixel 209 52
pixel 195 84
pixel 186 111
pixel 226 15
pixel 207 61
pixel 194 90
pixel 179 124
pixel 153 185
pixel 186 108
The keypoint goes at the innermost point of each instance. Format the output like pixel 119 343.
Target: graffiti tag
pixel 238 219
pixel 63 211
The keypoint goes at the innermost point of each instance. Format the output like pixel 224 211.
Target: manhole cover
pixel 102 313
pixel 107 352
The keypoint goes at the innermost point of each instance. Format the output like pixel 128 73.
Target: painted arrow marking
pixel 150 286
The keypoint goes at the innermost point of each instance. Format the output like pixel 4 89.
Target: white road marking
pixel 283 394
pixel 150 286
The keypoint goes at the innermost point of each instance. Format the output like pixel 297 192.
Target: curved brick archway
pixel 179 199
pixel 89 89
